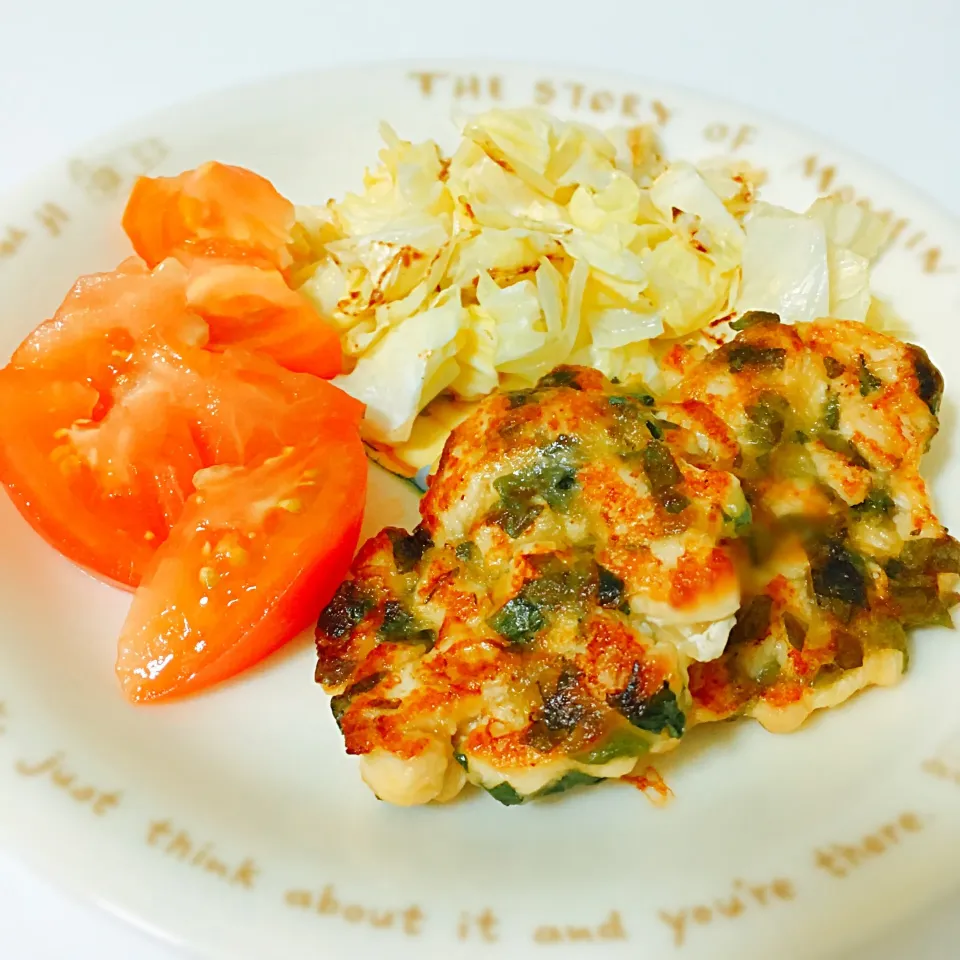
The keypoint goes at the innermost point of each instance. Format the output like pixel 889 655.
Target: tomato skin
pixel 215 209
pixel 242 573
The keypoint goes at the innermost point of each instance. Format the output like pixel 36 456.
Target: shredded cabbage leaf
pixel 538 242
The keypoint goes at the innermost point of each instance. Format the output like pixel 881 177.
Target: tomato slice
pixel 107 491
pixel 257 553
pixel 242 405
pixel 113 404
pixel 254 307
pixel 63 498
pixel 170 427
pixel 93 333
pixel 216 209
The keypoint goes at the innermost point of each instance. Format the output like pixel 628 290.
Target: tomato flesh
pixel 216 209
pixel 61 498
pixel 90 337
pixel 257 553
pixel 254 307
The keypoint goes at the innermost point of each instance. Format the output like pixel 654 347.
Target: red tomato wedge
pixel 216 209
pixel 66 501
pixel 254 307
pixel 257 553
pixel 106 492
pixel 171 429
pixel 113 404
pixel 91 336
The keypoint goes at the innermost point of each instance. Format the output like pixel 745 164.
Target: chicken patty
pixel 844 552
pixel 597 570
pixel 534 631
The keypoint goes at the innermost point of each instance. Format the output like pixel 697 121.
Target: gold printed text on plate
pixel 169 839
pixel 547 92
pixel 825 178
pixel 327 903
pixel 460 85
pixel 56 772
pixel 479 925
pixel 731 136
pixel 110 176
pixel 610 928
pixel 572 95
pixel 841 859
pixel 742 899
pixel 945 764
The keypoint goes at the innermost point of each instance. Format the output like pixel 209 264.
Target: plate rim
pixel 64 875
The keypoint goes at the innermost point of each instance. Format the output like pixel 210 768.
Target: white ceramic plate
pixel 235 825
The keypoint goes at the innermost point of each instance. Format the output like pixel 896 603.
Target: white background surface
pixel 879 77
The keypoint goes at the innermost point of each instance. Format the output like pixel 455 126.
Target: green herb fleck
pixel 518 620
pixel 559 584
pixel 552 478
pixel 341 702
pixel 626 399
pixel 518 398
pixel 561 377
pixel 620 743
pixel 838 575
pixel 609 588
pixel 833 367
pixel 467 552
pixel 399 626
pixel 841 445
pixel 516 515
pixel 877 503
pixel 461 758
pixel 849 653
pixel 408 550
pixel 931 555
pixel 505 794
pixel 333 669
pixel 674 502
pixel 868 382
pixel 768 672
pixel 746 355
pixel 658 427
pixel 740 520
pixel 655 714
pixel 573 778
pixel 561 709
pixel 663 475
pixel 660 467
pixel 350 604
pixel 796 630
pixel 752 317
pixel 831 412
pixel 914 580
pixel 767 417
pixel 753 620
